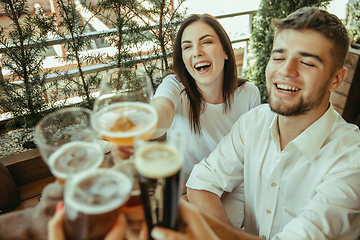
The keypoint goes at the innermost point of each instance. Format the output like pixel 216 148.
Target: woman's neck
pixel 212 93
pixel 212 97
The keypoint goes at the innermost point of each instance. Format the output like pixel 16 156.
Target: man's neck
pixel 292 126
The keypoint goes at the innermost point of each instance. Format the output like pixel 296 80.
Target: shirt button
pixel 268 211
pixel 263 236
pixel 273 184
pixel 276 156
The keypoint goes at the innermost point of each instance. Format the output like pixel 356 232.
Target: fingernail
pixel 59 206
pixel 158 234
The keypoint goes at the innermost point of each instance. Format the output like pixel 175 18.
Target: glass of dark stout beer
pixel 93 201
pixel 66 135
pixel 159 164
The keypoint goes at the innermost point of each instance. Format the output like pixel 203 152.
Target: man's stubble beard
pixel 300 108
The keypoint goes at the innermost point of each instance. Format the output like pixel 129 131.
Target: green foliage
pixel 70 28
pixel 353 21
pixel 27 93
pixel 119 15
pixel 154 26
pixel 24 90
pixel 162 37
pixel 261 40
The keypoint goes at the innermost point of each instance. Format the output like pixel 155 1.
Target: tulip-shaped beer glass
pixel 124 108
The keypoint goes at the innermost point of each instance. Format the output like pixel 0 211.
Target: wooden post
pixel 351 111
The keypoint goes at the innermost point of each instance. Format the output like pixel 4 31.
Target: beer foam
pixel 158 159
pixel 142 115
pixel 88 154
pixel 99 191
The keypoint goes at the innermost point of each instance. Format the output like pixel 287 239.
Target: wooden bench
pixel 30 174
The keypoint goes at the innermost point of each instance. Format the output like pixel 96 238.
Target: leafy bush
pixel 353 21
pixel 24 90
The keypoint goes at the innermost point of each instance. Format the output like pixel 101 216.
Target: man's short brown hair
pixel 327 24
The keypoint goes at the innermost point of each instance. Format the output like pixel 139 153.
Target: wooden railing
pixel 103 31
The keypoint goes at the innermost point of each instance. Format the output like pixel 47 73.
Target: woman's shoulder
pixel 171 82
pixel 172 78
pixel 248 87
pixel 170 88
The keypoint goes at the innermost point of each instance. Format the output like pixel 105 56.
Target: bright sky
pixel 228 6
pixel 236 27
pixel 216 7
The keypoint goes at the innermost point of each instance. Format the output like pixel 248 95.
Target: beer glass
pixel 128 167
pixel 124 108
pixel 159 165
pixel 66 135
pixel 93 201
pixel 133 208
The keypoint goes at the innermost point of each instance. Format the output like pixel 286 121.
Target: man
pixel 298 159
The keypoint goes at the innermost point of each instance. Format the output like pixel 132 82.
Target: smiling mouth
pixel 202 66
pixel 286 88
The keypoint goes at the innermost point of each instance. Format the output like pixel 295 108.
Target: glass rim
pixel 88 208
pixel 37 129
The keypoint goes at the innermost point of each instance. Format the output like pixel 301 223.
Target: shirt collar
pixel 310 141
pixel 274 129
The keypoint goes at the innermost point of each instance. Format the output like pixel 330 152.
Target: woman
pixel 204 97
pixel 198 99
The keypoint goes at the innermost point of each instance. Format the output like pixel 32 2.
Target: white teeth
pixel 287 88
pixel 203 64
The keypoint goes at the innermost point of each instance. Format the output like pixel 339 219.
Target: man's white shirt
pixel 310 190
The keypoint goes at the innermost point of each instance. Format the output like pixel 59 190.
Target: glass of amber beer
pixel 133 208
pixel 159 164
pixel 66 135
pixel 93 201
pixel 124 108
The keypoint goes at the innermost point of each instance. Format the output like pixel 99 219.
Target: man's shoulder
pixel 344 140
pixel 260 115
pixel 346 132
pixel 263 110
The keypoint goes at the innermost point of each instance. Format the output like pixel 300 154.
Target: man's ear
pixel 337 79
